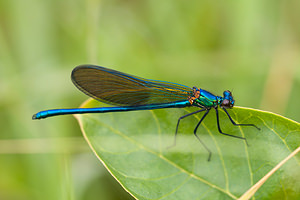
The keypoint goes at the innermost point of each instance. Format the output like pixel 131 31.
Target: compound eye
pixel 227 93
pixel 232 104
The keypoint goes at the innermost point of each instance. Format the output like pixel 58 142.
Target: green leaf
pixel 134 147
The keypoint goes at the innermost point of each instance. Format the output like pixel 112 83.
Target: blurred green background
pixel 250 47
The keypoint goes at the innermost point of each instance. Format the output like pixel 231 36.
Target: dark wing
pixel 114 87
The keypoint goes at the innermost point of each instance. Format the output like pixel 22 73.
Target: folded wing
pixel 114 87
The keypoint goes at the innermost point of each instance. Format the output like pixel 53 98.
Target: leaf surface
pixel 135 148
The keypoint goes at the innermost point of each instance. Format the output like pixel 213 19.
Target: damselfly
pixel 132 93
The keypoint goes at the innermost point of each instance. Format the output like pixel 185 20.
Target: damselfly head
pixel 228 101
